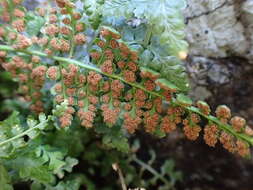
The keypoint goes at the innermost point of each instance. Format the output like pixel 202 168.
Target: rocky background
pixel 220 65
pixel 220 68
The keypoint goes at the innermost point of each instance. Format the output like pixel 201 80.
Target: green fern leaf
pixel 5 180
pixel 163 16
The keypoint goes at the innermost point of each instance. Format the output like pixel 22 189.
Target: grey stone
pixel 220 28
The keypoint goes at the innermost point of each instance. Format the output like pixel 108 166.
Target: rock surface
pixel 220 28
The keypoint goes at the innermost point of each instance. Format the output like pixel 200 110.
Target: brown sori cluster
pixel 14 16
pixel 151 121
pixel 131 123
pixel 80 92
pixel 235 146
pixel 53 73
pixel 242 148
pixel 22 42
pixel 38 79
pixel 62 35
pixel 211 135
pixel 68 88
pixel 223 113
pixel 31 78
pixel 111 108
pixel 5 16
pixel 167 125
pixel 58 35
pixel 86 117
pixel 203 107
pixel 173 117
pixel 116 55
pixel 80 39
pixel 110 115
pixel 55 37
pixel 88 100
pixel 191 127
pixel 238 123
pixel 228 142
pixel 66 117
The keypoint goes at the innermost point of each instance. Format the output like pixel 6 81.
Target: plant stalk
pixel 23 134
pixel 148 36
pixel 121 177
pixel 153 171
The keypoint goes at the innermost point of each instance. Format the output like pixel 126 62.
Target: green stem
pixel 153 171
pixel 11 8
pixel 148 36
pixel 62 82
pixel 72 42
pixel 121 177
pixel 222 126
pixel 73 24
pixel 23 134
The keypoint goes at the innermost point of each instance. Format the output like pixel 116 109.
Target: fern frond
pixel 164 17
